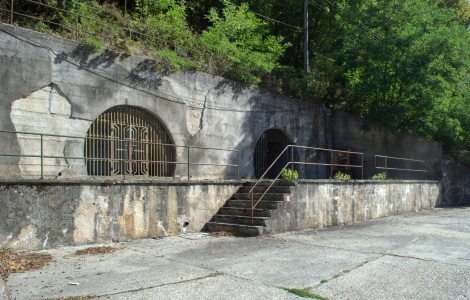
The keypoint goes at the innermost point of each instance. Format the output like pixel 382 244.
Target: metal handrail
pixel 188 163
pixel 292 163
pixel 387 168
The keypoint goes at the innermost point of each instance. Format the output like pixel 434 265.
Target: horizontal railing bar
pixel 325 164
pixel 115 160
pixel 400 158
pixel 209 164
pixel 398 169
pixel 329 150
pixel 117 140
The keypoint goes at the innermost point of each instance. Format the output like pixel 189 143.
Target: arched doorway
pixel 269 146
pixel 129 140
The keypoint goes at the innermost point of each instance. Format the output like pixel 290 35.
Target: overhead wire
pixel 270 18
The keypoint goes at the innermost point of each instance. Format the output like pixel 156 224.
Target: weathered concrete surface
pixel 455 183
pixel 46 81
pixel 45 214
pixel 413 256
pixel 323 203
pixel 38 215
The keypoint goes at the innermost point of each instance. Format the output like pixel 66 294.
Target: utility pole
pixel 11 12
pixel 306 58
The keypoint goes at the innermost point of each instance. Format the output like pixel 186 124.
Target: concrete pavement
pixel 413 256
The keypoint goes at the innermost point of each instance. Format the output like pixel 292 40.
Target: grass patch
pixel 304 293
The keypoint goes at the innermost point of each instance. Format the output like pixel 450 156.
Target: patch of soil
pixel 224 234
pixel 95 250
pixel 75 298
pixel 14 262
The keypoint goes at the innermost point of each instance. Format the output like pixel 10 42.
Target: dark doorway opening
pixel 269 146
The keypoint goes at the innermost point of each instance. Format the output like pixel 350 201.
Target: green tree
pixel 409 70
pixel 239 44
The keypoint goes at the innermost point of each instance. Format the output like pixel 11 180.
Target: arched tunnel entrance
pixel 269 146
pixel 129 140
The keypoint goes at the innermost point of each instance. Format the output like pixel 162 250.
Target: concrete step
pixel 247 204
pixel 261 189
pixel 245 220
pixel 240 211
pixel 268 197
pixel 247 230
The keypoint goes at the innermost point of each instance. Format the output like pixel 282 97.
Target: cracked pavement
pixel 414 256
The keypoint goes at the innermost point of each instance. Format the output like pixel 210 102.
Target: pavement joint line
pixel 378 253
pixel 210 269
pixel 160 285
pixel 342 273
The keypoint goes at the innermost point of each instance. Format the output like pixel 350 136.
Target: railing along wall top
pixel 387 167
pixel 292 163
pixel 124 159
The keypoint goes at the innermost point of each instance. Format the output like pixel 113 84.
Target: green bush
pixel 93 44
pixel 289 174
pixel 342 176
pixel 379 176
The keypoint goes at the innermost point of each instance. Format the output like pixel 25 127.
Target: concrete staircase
pixel 235 215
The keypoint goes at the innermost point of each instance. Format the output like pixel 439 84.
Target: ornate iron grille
pixel 129 140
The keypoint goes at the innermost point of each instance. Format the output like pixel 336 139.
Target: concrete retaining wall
pixel 317 204
pixel 42 214
pixel 37 215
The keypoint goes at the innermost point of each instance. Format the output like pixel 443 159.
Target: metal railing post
pixel 238 165
pixel 189 163
pixel 125 161
pixel 292 158
pixel 42 155
pixel 331 165
pixel 362 166
pixel 386 170
pixel 11 12
pixel 252 207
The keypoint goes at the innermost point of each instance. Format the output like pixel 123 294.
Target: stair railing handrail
pixel 253 205
pixel 266 172
pixel 292 162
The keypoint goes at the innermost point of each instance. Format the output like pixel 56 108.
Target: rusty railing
pixel 123 159
pixel 387 166
pixel 292 163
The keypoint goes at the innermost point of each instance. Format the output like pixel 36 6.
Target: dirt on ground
pixel 224 234
pixel 14 262
pixel 95 250
pixel 75 298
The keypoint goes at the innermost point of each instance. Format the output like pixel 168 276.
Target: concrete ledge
pixel 363 181
pixel 317 204
pixel 115 181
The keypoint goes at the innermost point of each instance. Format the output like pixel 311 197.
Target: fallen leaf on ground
pixel 95 250
pixel 14 262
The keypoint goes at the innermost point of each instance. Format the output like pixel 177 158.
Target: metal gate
pixel 269 146
pixel 127 140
